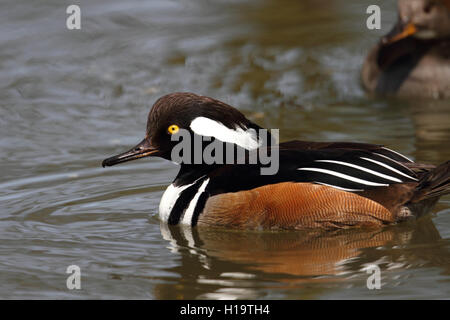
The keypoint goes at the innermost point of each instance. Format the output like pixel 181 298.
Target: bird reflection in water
pixel 230 260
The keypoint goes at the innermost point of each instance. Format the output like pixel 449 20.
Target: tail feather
pixel 435 183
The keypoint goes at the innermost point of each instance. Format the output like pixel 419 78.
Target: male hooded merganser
pixel 317 185
pixel 413 59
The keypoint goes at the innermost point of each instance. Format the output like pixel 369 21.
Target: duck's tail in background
pixel 435 183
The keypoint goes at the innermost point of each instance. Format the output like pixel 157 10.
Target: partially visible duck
pixel 413 59
pixel 325 185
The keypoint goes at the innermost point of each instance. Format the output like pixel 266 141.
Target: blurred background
pixel 70 98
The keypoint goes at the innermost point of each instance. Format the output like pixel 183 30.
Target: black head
pixel 198 115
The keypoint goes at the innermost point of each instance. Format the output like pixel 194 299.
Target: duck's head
pixel 421 19
pixel 191 114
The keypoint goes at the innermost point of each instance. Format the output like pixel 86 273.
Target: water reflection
pixel 238 265
pixel 432 129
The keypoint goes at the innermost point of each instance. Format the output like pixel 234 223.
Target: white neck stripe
pixel 187 218
pixel 169 198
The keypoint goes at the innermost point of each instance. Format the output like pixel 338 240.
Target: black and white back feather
pixel 355 172
pixel 350 167
pixel 345 166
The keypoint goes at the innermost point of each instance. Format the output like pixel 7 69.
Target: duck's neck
pixel 184 199
pixel 239 147
pixel 189 173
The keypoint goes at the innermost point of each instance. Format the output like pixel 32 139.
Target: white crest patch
pixel 246 139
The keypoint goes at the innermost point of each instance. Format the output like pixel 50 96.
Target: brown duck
pixel 413 59
pixel 325 185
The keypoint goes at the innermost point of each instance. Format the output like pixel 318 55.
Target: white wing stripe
pixel 388 167
pixel 362 169
pixel 346 177
pixel 397 153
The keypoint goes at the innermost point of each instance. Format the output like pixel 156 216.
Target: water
pixel 69 99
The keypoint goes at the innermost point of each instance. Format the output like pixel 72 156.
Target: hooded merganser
pixel 323 185
pixel 413 59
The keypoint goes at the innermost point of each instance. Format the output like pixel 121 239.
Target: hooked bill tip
pixel 106 163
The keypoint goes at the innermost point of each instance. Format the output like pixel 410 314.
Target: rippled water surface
pixel 69 99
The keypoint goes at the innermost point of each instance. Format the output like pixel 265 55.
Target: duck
pixel 315 185
pixel 413 59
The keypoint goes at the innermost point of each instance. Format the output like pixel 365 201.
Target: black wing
pixel 347 166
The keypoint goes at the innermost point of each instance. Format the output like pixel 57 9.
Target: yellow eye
pixel 173 129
